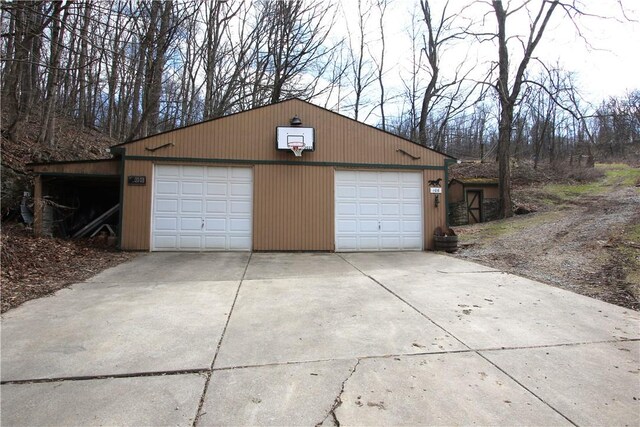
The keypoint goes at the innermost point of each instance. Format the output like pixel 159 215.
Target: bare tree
pixel 46 135
pixel 382 8
pixel 362 73
pixel 509 90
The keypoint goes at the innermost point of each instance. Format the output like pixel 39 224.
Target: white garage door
pixel 378 211
pixel 200 208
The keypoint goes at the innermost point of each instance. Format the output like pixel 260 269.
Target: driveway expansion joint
pixel 566 344
pixel 407 303
pixel 215 356
pixel 526 388
pixel 108 376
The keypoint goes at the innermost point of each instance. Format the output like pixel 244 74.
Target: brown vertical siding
pixel 252 136
pixel 136 215
pixel 433 217
pixel 293 208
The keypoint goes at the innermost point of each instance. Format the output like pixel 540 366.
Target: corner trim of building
pixel 447 163
pixel 121 152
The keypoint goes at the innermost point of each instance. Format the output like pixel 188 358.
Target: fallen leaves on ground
pixel 33 267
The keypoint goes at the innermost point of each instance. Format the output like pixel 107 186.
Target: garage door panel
pixel 411 226
pixel 411 242
pixel 240 207
pixel 217 189
pixel 389 178
pixel 218 174
pixel 412 209
pixel 166 224
pixel 215 241
pixel 391 242
pixel 346 191
pixel 167 188
pixel 190 224
pixel 368 243
pixel 412 193
pixel 368 192
pixel 202 208
pixel 239 224
pixel 188 242
pixel 367 226
pixel 390 193
pixel 240 190
pixel 193 172
pixel 367 177
pixel 168 171
pixel 347 226
pixel 168 206
pixel 390 226
pixel 166 242
pixel 378 210
pixel 190 206
pixel 239 242
pixel 412 178
pixel 346 208
pixel 348 176
pixel 240 174
pixel 390 209
pixel 192 188
pixel 345 241
pixel 216 206
pixel 369 209
pixel 215 224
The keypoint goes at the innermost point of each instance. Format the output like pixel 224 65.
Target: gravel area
pixel 580 246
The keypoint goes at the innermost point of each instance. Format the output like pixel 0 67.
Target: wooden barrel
pixel 446 243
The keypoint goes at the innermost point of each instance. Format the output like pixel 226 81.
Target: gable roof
pixel 273 106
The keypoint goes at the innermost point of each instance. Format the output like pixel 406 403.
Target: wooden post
pixel 37 206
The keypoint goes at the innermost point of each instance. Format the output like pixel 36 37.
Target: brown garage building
pixel 223 184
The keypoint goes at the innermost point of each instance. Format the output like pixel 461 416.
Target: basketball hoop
pixel 297 148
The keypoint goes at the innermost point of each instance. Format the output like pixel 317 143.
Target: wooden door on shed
pixel 474 206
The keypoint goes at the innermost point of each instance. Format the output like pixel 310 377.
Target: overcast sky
pixel 607 65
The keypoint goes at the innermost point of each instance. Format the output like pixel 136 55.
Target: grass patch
pixel 505 227
pixel 620 174
pixel 615 174
pixel 633 233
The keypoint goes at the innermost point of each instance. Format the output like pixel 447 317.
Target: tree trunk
pixel 46 136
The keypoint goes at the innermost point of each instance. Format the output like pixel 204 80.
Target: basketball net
pixel 297 149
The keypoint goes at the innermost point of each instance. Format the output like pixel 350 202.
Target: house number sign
pixel 137 180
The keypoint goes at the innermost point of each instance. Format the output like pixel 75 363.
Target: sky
pixel 606 64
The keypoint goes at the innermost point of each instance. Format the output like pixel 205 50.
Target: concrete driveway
pixel 307 339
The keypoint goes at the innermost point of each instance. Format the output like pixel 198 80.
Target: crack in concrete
pixel 196 419
pixel 470 272
pixel 108 376
pixel 338 400
pixel 205 371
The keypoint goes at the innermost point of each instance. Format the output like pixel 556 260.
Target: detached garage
pixel 285 177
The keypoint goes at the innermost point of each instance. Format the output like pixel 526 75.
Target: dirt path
pixel 583 246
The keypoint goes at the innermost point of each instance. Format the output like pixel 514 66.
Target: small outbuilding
pixel 290 176
pixel 473 200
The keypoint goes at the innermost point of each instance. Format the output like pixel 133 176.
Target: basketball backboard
pixel 294 136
